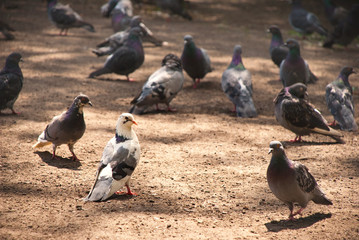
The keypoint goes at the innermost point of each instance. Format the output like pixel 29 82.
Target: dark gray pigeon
pixel 338 96
pixel 64 17
pixel 294 68
pixel 303 21
pixel 11 81
pixel 162 86
pixel 278 51
pixel 119 159
pixel 125 59
pixel 195 60
pixel 346 30
pixel 295 113
pixel 66 128
pixel 115 41
pixel 121 15
pixel 175 7
pixel 6 30
pixel 334 13
pixel 291 182
pixel 237 85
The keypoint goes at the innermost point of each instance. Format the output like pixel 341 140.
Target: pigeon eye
pixel 126 118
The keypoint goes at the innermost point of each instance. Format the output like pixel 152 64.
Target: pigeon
pixel 195 60
pixel 303 21
pixel 345 31
pixel 294 68
pixel 338 96
pixel 119 159
pixel 5 29
pixel 291 182
pixel 295 113
pixel 121 15
pixel 64 17
pixel 237 85
pixel 175 7
pixel 125 59
pixel 11 81
pixel 334 13
pixel 66 128
pixel 115 41
pixel 162 86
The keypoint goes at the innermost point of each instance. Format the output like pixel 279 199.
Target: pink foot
pixel 15 113
pixel 296 139
pixel 128 192
pixel 333 124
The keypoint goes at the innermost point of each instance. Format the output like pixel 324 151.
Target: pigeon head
pixel 124 125
pixel 346 71
pixel 81 100
pixel 89 27
pixel 172 61
pixel 298 90
pixel 274 29
pixel 294 48
pixel 237 58
pixel 188 39
pixel 136 31
pixel 135 21
pixel 14 58
pixel 275 147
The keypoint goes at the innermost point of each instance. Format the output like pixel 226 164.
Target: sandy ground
pixel 203 171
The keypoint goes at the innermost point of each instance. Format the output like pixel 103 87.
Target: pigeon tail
pixel 88 26
pixel 103 44
pixel 40 144
pixel 331 133
pixel 312 77
pixel 320 198
pixel 99 72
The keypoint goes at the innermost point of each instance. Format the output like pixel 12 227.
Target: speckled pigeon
pixel 334 13
pixel 64 17
pixel 125 59
pixel 115 41
pixel 162 86
pixel 11 81
pixel 195 60
pixel 303 21
pixel 6 30
pixel 237 85
pixel 66 128
pixel 175 7
pixel 291 182
pixel 338 96
pixel 294 68
pixel 295 113
pixel 119 159
pixel 346 30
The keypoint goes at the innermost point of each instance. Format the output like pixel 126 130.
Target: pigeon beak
pixel 270 150
pixel 21 60
pixel 134 122
pixel 90 103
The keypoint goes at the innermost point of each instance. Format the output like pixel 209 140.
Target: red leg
pixel 297 139
pixel 169 109
pixel 74 158
pixel 333 124
pixel 128 192
pixel 130 79
pixel 13 112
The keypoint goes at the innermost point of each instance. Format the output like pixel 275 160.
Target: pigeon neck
pixel 344 78
pixel 75 109
pixel 237 62
pixel 51 3
pixel 294 53
pixel 13 67
pixel 279 158
pixel 277 40
pixel 120 138
pixel 190 48
pixel 123 131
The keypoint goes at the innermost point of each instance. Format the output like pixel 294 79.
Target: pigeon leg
pixel 297 139
pixel 66 31
pixel 54 157
pixel 60 33
pixel 196 82
pixel 129 192
pixel 333 124
pixel 13 111
pixel 234 109
pixel 71 148
pixel 130 79
pixel 298 212
pixel 169 109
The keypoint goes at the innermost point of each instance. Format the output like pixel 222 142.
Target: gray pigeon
pixel 175 7
pixel 11 81
pixel 162 86
pixel 303 21
pixel 119 159
pixel 6 30
pixel 278 51
pixel 334 13
pixel 294 68
pixel 125 59
pixel 237 85
pixel 64 17
pixel 115 41
pixel 121 15
pixel 291 182
pixel 195 60
pixel 295 113
pixel 66 128
pixel 346 30
pixel 338 96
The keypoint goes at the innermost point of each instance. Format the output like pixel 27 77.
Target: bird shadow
pixel 59 162
pixel 277 226
pixel 112 80
pixel 305 143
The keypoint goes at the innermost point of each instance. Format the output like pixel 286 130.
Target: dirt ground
pixel 202 173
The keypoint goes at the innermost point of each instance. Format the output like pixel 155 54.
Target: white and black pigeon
pixel 339 99
pixel 175 7
pixel 115 41
pixel 294 68
pixel 195 61
pixel 126 59
pixel 66 128
pixel 346 30
pixel 162 86
pixel 11 81
pixel 237 85
pixel 295 113
pixel 119 159
pixel 6 30
pixel 64 17
pixel 303 21
pixel 291 182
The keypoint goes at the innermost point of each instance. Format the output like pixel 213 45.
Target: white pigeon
pixel 119 159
